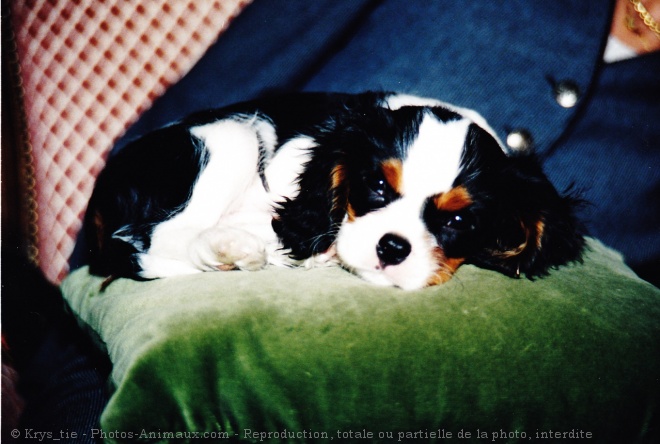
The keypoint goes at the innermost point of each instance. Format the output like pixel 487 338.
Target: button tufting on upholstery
pixel 79 64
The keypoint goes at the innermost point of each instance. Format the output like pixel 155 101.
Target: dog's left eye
pixel 461 222
pixel 449 225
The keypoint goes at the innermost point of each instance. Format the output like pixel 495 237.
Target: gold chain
pixel 644 14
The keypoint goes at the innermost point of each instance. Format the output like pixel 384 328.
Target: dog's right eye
pixel 370 191
pixel 378 188
pixel 379 191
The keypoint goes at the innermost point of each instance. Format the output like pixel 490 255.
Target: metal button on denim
pixel 519 140
pixel 567 93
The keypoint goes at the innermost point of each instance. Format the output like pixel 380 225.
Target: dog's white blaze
pixel 434 159
pixel 230 174
pixel 396 101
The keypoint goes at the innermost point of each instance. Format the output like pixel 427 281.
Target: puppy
pixel 398 189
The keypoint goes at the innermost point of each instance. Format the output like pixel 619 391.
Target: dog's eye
pixel 461 222
pixel 378 191
pixel 379 187
pixel 370 191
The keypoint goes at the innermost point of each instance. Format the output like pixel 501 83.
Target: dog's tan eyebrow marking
pixel 337 181
pixel 453 200
pixel 393 172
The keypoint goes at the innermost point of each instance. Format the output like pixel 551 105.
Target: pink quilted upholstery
pixel 89 68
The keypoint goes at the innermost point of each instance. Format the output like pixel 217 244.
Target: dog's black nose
pixel 392 249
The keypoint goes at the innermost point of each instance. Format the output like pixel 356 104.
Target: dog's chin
pixel 356 250
pixel 391 277
pixel 412 274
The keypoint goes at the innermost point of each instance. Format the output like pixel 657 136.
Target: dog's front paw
pixel 228 248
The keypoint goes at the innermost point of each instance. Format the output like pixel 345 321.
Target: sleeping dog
pixel 398 189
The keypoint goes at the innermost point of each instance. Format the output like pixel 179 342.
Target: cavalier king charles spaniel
pixel 398 189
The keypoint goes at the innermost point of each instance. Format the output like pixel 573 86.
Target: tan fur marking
pixel 337 176
pixel 393 172
pixel 507 254
pixel 538 234
pixel 99 225
pixel 350 212
pixel 446 268
pixel 453 200
pixel 540 227
pixel 337 179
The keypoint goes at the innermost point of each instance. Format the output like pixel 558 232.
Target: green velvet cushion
pixel 305 353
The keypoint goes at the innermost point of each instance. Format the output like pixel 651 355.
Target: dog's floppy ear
pixel 534 237
pixel 528 227
pixel 308 223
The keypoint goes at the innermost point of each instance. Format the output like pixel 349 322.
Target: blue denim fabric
pixel 501 58
pixel 272 46
pixel 611 149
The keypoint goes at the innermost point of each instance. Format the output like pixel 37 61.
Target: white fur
pixel 356 245
pixel 433 161
pixel 180 245
pixel 430 168
pixel 227 222
pixel 396 101
pixel 283 170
